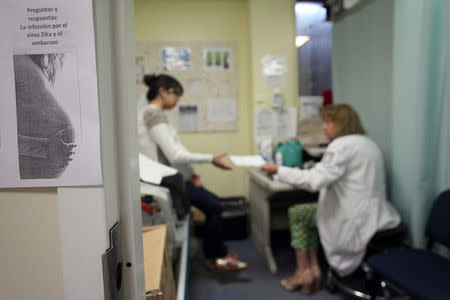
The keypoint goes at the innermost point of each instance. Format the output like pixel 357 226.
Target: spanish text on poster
pixel 49 119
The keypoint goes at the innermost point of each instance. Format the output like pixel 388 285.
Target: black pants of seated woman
pixel 209 204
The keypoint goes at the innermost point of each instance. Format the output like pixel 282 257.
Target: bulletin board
pixel 207 71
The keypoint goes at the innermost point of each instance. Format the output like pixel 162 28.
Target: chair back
pixel 438 226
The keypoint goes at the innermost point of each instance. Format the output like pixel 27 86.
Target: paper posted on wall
pixel 222 110
pixel 274 70
pixel 176 59
pixel 49 116
pixel 275 123
pixel 310 106
pixel 188 117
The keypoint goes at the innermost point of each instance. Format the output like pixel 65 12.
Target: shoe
pixel 287 286
pixel 317 274
pixel 287 282
pixel 317 283
pixel 306 288
pixel 309 288
pixel 226 264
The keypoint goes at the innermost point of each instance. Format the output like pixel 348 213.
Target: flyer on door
pixel 49 120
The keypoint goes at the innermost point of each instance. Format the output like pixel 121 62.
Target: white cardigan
pixel 352 203
pixel 155 133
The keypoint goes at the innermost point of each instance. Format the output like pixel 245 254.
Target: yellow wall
pixel 258 27
pixel 273 33
pixel 207 21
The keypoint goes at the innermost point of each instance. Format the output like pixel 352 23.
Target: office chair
pixel 418 273
pixel 360 284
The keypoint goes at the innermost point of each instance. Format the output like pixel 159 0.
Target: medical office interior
pixel 279 63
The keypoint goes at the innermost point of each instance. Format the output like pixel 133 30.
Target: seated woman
pixel 352 204
pixel 159 141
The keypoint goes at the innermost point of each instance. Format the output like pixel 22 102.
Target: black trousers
pixel 209 204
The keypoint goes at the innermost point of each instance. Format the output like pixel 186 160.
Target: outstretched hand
pixel 217 161
pixel 269 168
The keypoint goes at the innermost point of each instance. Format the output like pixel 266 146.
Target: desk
pixel 268 202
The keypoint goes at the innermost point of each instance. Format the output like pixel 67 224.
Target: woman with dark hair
pixel 159 141
pixel 352 204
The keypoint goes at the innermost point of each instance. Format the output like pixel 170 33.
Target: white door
pixel 53 240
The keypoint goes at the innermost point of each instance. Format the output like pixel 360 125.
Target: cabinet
pixel 269 201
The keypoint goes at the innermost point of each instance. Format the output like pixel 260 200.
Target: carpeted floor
pixel 255 283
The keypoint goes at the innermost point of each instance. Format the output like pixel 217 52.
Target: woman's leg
pixel 214 247
pixel 213 241
pixel 301 218
pixel 302 259
pixel 313 244
pixel 315 267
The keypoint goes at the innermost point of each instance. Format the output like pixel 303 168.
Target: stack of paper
pixel 152 171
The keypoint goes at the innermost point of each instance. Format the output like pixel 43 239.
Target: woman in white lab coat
pixel 159 141
pixel 352 204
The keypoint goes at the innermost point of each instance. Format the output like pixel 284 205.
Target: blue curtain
pixel 420 109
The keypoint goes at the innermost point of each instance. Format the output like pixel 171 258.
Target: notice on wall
pixel 222 110
pixel 287 123
pixel 217 59
pixel 140 69
pixel 176 59
pixel 49 123
pixel 187 117
pixel 310 106
pixel 274 70
pixel 207 71
pixel 276 123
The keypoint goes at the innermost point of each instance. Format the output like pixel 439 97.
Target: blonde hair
pixel 345 117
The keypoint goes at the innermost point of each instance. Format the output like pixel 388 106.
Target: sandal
pixel 311 286
pixel 287 282
pixel 317 274
pixel 288 286
pixel 307 287
pixel 227 263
